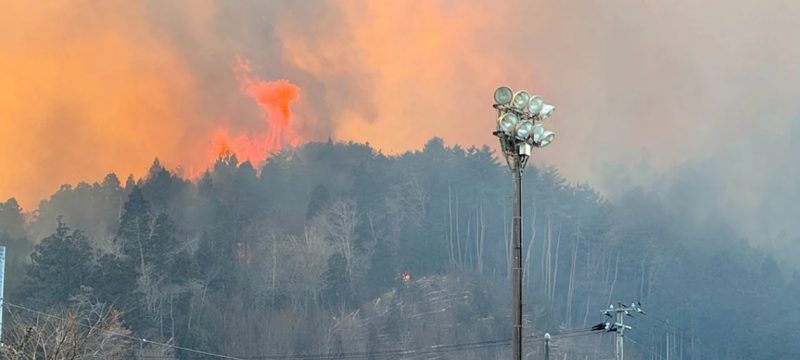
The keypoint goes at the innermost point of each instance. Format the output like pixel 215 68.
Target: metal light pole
pixel 516 312
pixel 546 346
pixel 517 114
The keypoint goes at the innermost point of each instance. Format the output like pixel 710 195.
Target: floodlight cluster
pixel 519 113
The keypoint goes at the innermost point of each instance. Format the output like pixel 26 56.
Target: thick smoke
pixel 693 97
pixel 91 88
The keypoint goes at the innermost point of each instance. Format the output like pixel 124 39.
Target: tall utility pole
pixel 517 114
pixel 619 349
pixel 618 314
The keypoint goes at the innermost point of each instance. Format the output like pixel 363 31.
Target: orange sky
pixel 83 96
pixel 92 87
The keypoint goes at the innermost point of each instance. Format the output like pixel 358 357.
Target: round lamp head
pixel 507 123
pixel 546 111
pixel 523 130
pixel 535 105
pixel 503 95
pixel 538 132
pixel 547 138
pixel 520 100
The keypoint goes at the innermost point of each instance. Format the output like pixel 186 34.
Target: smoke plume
pixel 274 98
pixel 644 91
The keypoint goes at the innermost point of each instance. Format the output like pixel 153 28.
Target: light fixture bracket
pixel 524 149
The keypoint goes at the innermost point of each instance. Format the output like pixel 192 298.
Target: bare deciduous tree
pixel 306 260
pixel 80 332
pixel 341 220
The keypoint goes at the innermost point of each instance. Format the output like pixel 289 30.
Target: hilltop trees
pixel 13 236
pixel 303 253
pixel 146 236
pixel 61 265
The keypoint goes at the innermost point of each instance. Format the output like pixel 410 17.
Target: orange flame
pixel 274 98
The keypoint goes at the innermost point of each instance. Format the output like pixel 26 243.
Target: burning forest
pixel 297 180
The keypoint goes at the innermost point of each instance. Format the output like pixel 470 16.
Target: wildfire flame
pixel 274 98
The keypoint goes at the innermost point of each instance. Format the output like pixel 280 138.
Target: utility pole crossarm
pixel 619 313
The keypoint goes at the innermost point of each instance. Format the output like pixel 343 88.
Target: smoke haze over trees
pixel 302 254
pixel 641 87
pixel 133 195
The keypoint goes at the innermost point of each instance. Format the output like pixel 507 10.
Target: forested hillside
pixel 303 255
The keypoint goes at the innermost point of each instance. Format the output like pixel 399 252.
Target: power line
pixel 668 327
pixel 645 348
pixel 130 337
pixel 618 314
pixel 396 352
pixel 698 348
pixel 433 349
pixel 705 350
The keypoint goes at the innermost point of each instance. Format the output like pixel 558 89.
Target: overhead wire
pixel 427 350
pixel 129 337
pixel 659 324
pixel 433 349
pixel 644 348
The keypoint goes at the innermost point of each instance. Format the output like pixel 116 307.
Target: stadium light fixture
pixel 503 95
pixel 518 131
pixel 520 100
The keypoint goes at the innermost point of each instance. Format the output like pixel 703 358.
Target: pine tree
pixel 134 227
pixel 11 221
pixel 13 237
pixel 146 237
pixel 60 265
pixel 114 281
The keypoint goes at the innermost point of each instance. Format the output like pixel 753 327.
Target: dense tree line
pixel 303 255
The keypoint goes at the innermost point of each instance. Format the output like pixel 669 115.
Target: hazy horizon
pixel 647 93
